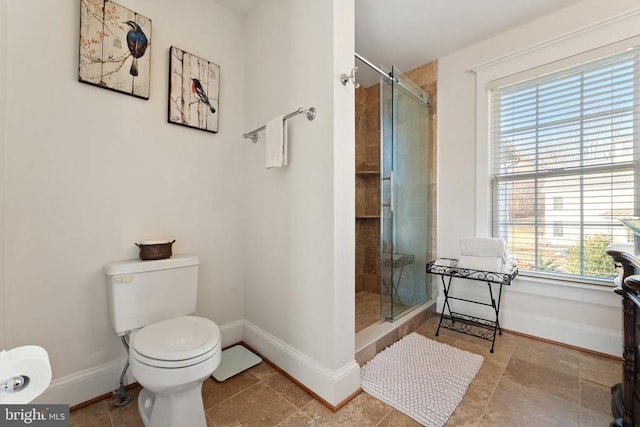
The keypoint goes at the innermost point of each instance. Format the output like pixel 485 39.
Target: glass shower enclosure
pixel 404 189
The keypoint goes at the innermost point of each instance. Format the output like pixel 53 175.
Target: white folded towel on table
pixel 483 247
pixel 276 143
pixel 445 262
pixel 494 264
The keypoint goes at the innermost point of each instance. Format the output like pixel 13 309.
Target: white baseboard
pixel 231 333
pixel 576 334
pixel 332 386
pixel 85 385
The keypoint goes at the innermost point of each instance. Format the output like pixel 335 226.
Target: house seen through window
pixel 564 166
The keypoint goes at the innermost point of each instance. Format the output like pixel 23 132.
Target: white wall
pixel 299 294
pixel 581 315
pixel 87 172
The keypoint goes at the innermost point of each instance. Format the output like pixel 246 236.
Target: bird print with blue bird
pixel 137 43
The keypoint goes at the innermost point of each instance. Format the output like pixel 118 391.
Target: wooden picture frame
pixel 115 48
pixel 194 86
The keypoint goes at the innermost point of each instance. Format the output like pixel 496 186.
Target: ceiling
pixel 409 33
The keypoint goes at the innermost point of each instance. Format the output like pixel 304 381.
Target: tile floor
pixel 368 309
pixel 525 382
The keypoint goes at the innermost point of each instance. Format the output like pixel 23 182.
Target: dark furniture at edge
pixel 628 287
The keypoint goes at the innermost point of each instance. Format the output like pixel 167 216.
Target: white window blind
pixel 570 136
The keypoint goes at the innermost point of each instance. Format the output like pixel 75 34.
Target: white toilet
pixel 170 352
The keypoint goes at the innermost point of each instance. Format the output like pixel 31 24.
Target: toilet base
pixel 179 408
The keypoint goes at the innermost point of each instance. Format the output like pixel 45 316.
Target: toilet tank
pixel 146 292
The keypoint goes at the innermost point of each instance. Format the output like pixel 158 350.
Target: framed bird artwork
pixel 114 48
pixel 194 85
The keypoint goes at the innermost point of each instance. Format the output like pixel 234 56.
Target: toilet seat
pixel 176 343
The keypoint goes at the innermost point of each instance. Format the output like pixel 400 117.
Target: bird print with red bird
pixel 196 87
pixel 193 91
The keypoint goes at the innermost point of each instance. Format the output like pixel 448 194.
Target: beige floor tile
pixel 595 396
pixel 504 347
pixel 397 419
pixel 467 414
pixel 483 348
pixel 258 405
pixel 289 390
pixel 552 356
pixel 93 415
pixel 298 419
pixel 214 392
pixel 545 380
pixel 262 370
pixel 429 328
pixel 97 421
pixel 481 388
pixel 127 415
pixel 601 370
pixel 589 418
pixel 513 404
pixel 130 421
pixel 362 411
pixel 492 367
pixel 367 309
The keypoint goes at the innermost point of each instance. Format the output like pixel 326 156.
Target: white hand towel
pixel 483 263
pixel 276 143
pixel 483 246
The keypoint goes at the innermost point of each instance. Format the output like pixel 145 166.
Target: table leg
pixel 446 303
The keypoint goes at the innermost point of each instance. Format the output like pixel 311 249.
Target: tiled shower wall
pixel 367 189
pixel 368 183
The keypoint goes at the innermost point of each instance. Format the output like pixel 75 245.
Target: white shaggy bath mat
pixel 421 378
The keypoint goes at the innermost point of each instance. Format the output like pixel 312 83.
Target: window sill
pixel 587 291
pixel 595 284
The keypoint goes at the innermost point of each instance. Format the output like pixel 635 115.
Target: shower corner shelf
pixel 367 172
pixel 367 216
pixel 367 169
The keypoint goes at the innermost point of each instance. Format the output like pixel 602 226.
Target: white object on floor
pixel 276 143
pixel 421 378
pixel 235 360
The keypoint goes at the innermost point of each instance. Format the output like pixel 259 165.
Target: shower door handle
pixel 391 190
pixel 390 179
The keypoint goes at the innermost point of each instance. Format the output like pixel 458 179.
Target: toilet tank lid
pixel 138 266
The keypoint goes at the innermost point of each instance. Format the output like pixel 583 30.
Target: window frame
pixel 521 116
pixel 544 58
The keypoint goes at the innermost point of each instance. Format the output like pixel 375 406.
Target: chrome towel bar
pixel 310 113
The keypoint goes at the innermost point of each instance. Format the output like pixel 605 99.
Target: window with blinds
pixel 564 150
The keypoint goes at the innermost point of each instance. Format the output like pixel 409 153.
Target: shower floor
pixel 368 309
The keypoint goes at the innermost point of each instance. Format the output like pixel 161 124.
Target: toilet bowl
pixel 171 352
pixel 171 359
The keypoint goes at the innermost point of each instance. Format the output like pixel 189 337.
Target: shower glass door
pixel 403 195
